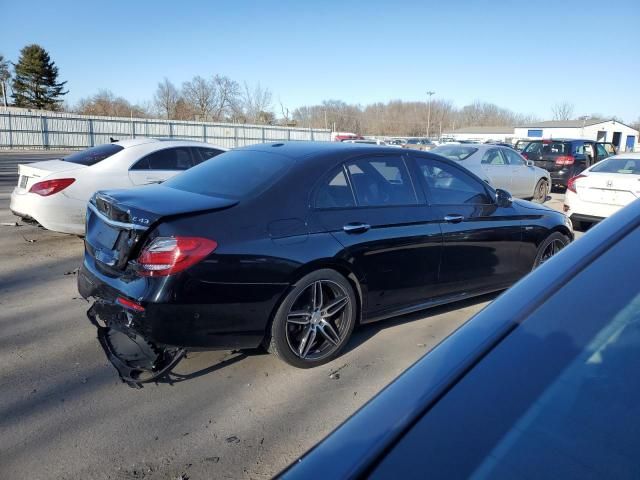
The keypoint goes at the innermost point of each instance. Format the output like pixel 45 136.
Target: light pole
pixel 430 93
pixel 584 119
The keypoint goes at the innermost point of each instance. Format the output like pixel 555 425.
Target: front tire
pixel 541 191
pixel 315 320
pixel 550 247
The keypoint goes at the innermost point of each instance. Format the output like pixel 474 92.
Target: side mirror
pixel 530 163
pixel 503 198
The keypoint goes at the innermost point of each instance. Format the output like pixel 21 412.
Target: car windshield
pixel 235 174
pixel 618 165
pixel 455 152
pixel 93 155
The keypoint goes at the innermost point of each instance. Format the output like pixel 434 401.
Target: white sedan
pixel 602 189
pixel 55 193
pixel 501 167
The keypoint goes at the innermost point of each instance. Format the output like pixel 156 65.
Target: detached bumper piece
pixel 136 359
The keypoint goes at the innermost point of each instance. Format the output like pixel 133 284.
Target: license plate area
pixel 22 183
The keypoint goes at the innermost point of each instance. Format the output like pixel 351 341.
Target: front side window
pixel 493 157
pixel 381 181
pixel 602 153
pixel 513 158
pixel 448 185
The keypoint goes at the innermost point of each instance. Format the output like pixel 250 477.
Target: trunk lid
pixel 609 188
pixel 544 154
pixel 117 220
pixel 30 173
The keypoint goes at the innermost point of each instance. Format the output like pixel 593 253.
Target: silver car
pixel 501 167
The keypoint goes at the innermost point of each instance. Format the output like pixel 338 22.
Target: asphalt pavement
pixel 64 414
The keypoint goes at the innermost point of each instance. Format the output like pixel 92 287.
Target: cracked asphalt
pixel 64 414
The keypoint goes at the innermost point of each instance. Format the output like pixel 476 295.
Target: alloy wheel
pixel 550 250
pixel 318 320
pixel 540 195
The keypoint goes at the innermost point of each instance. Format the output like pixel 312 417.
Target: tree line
pixel 33 83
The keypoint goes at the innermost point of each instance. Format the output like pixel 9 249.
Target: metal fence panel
pixel 25 129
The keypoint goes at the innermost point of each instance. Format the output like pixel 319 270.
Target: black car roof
pixel 374 429
pixel 301 149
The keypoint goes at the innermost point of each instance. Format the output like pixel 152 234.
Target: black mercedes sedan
pixel 291 245
pixel 543 383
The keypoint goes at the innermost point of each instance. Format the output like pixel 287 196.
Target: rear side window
pixel 335 192
pixel 381 182
pixel 234 174
pixel 167 159
pixel 93 155
pixel 513 158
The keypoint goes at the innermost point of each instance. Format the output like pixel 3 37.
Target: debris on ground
pixel 422 344
pixel 29 240
pixel 213 459
pixel 232 439
pixel 72 272
pixel 11 224
pixel 334 373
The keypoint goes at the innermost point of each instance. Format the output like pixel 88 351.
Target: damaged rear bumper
pixel 136 359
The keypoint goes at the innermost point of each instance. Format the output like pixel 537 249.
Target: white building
pixel 481 134
pixel 622 136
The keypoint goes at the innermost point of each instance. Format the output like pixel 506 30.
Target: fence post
pixel 170 130
pixel 288 134
pixel 91 137
pixel 204 132
pixel 235 136
pixel 262 134
pixel 10 131
pixel 45 132
pixel 133 129
pixel 311 131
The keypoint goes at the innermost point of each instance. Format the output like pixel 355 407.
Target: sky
pixel 525 56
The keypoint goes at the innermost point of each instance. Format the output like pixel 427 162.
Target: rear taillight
pixel 565 160
pixel 49 187
pixel 130 304
pixel 526 156
pixel 168 255
pixel 571 184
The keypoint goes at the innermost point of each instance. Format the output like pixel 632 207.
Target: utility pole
pixel 430 94
pixel 584 119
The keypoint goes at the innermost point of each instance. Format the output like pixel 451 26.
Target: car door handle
pixel 356 227
pixel 453 218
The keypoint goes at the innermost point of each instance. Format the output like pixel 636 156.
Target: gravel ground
pixel 64 413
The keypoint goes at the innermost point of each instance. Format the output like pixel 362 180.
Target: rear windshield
pixel 548 148
pixel 455 152
pixel 234 174
pixel 93 155
pixel 618 165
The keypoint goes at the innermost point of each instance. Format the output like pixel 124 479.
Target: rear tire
pixel 550 247
pixel 315 320
pixel 541 191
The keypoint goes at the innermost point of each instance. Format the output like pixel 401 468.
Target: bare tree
pixel 257 104
pixel 562 111
pixel 105 103
pixel 5 76
pixel 226 96
pixel 200 94
pixel 166 98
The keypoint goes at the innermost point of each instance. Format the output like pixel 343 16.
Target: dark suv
pixel 564 158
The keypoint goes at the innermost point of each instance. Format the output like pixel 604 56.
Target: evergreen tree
pixel 35 83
